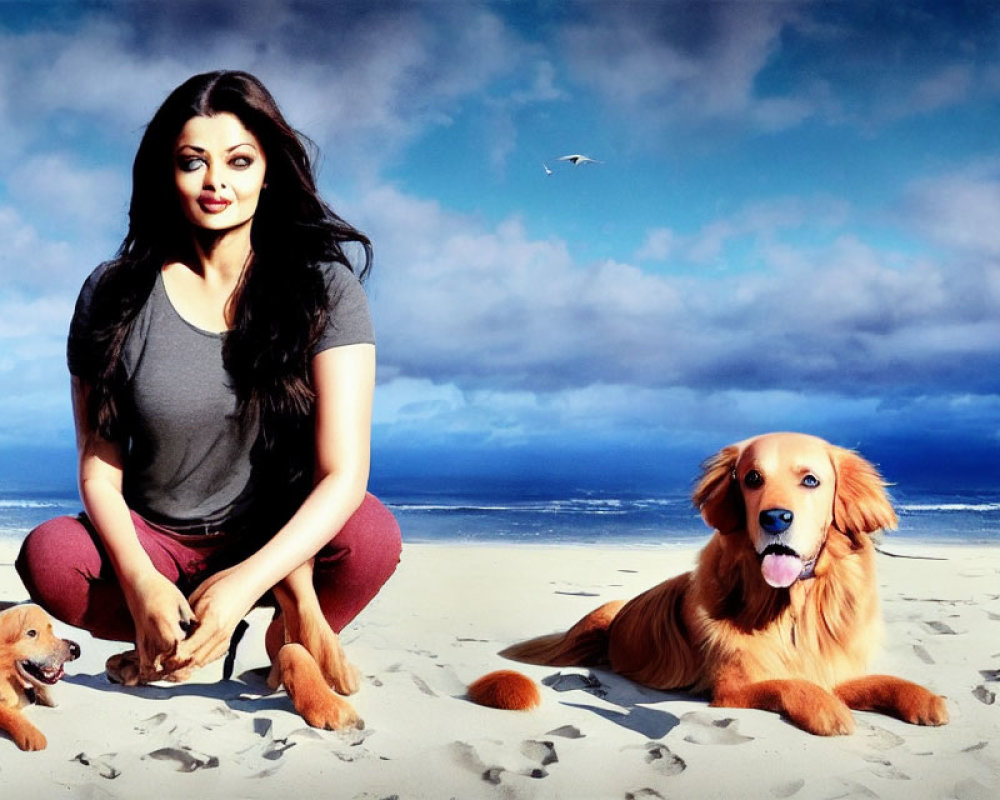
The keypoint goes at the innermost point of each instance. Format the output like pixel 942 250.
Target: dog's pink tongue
pixel 781 570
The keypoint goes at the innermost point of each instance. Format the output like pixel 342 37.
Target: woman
pixel 222 369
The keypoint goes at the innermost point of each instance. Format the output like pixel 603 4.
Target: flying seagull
pixel 546 168
pixel 576 159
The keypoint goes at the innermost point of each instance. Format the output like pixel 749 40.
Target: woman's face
pixel 219 169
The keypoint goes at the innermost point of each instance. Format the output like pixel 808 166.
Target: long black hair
pixel 280 306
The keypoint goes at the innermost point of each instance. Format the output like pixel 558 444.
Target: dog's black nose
pixel 776 520
pixel 74 649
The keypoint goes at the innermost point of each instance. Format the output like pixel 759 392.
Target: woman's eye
pixel 190 164
pixel 753 479
pixel 241 162
pixel 810 481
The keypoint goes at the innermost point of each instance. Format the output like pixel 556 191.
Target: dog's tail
pixel 585 644
pixel 506 689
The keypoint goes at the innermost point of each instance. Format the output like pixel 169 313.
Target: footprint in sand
pixel 567 732
pixel 423 686
pixel 922 654
pixel 99 765
pixel 263 758
pixel 881 739
pixel 543 753
pixel 789 789
pixel 644 794
pixel 663 760
pixel 185 759
pixel 984 695
pixel 883 768
pixel 153 722
pixel 935 626
pixel 700 728
pixel 465 756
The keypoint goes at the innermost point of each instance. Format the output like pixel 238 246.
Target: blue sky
pixel 795 223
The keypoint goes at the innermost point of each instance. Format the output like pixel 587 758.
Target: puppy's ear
pixel 861 504
pixel 717 495
pixel 11 625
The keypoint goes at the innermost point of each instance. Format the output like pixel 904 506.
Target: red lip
pixel 213 205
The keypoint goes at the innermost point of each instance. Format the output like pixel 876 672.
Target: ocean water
pixel 577 517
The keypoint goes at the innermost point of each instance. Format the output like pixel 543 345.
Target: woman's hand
pixel 162 616
pixel 218 604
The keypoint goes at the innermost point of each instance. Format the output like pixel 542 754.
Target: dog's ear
pixel 11 624
pixel 717 495
pixel 861 504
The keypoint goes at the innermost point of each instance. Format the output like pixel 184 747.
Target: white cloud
pixel 32 264
pixel 458 302
pixel 959 210
pixel 63 195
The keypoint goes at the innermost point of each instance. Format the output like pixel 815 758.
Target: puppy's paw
pixel 923 708
pixel 827 717
pixel 27 737
pixel 309 692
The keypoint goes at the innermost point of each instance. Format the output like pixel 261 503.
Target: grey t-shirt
pixel 188 460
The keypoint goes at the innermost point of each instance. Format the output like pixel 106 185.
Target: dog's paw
pixel 27 737
pixel 923 708
pixel 345 680
pixel 827 717
pixel 318 638
pixel 324 645
pixel 328 711
pixel 309 692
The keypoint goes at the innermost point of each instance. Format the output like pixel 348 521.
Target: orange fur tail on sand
pixel 505 689
pixel 583 645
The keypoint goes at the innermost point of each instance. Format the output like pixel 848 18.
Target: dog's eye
pixel 810 481
pixel 753 479
pixel 31 634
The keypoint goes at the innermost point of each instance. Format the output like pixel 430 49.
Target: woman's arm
pixel 157 606
pixel 344 381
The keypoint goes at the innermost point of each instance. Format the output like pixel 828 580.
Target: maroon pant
pixel 66 570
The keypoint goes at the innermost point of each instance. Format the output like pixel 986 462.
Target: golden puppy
pixel 782 611
pixel 31 660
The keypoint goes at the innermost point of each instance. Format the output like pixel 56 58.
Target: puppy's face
pixel 30 646
pixel 788 483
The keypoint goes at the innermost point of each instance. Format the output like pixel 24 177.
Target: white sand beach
pixel 439 623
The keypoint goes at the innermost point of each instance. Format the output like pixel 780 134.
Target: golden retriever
pixel 781 612
pixel 31 660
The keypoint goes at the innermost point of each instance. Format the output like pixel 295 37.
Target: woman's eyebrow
pixel 198 149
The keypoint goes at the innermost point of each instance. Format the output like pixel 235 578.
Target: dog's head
pixel 28 643
pixel 786 492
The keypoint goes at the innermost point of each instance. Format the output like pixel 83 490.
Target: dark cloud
pixel 711 67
